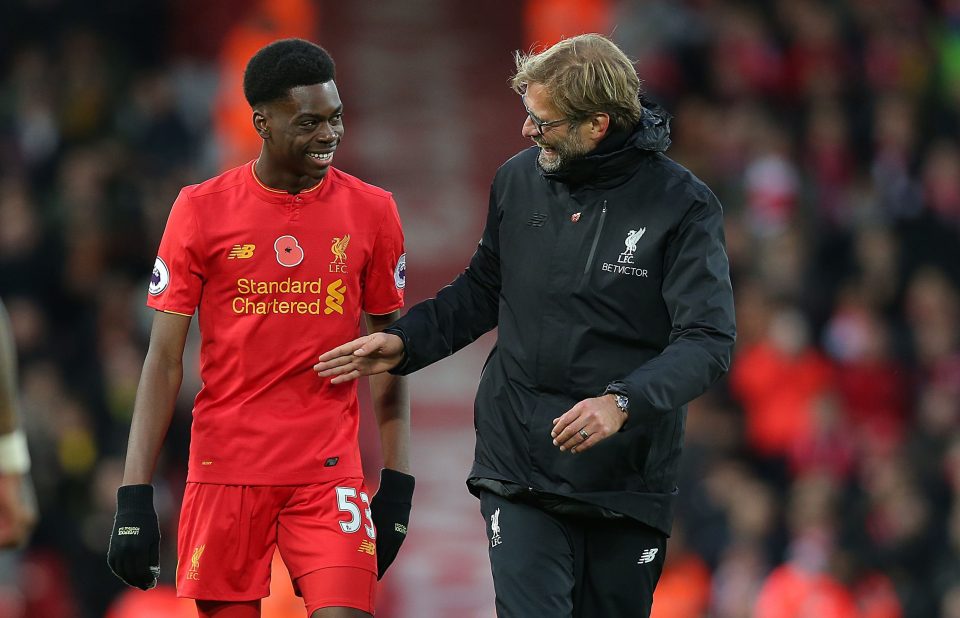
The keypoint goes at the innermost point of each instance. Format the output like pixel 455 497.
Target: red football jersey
pixel 278 279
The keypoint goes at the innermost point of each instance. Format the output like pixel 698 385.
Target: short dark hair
pixel 283 65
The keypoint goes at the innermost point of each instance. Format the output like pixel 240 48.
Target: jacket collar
pixel 617 155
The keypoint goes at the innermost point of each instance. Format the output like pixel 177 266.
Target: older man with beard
pixel 603 267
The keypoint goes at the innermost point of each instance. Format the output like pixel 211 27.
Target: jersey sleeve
pixel 178 273
pixel 386 273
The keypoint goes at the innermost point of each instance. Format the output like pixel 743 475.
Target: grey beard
pixel 558 164
pixel 566 152
pixel 553 166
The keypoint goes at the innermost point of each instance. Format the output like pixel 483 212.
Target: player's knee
pixel 327 592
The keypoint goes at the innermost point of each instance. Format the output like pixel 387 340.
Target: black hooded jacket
pixel 610 275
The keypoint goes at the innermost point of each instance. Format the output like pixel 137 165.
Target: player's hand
pixel 18 511
pixel 134 552
pixel 597 417
pixel 365 356
pixel 390 509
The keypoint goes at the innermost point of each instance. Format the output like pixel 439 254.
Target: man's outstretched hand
pixel 365 356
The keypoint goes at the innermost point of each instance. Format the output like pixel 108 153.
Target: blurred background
pixel 821 477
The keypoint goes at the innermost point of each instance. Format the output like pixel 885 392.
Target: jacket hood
pixel 619 151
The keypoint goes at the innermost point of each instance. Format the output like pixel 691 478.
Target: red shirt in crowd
pixel 777 392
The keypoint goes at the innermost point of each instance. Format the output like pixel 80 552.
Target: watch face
pixel 622 402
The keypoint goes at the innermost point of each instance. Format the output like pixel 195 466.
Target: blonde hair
pixel 584 75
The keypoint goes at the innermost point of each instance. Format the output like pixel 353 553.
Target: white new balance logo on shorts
pixel 648 555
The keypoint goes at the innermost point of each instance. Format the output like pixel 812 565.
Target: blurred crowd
pixel 822 476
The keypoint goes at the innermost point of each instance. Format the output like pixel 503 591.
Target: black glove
pixel 391 513
pixel 134 552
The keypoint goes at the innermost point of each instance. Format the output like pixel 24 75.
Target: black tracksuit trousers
pixel 547 565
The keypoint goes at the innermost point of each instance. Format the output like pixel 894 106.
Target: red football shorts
pixel 228 534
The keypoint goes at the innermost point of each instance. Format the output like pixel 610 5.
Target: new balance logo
pixel 241 252
pixel 537 220
pixel 125 530
pixel 648 555
pixel 399 528
pixel 367 547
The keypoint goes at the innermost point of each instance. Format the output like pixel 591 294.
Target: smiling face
pixel 560 143
pixel 300 135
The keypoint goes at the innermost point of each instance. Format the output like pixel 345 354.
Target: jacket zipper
pixel 596 239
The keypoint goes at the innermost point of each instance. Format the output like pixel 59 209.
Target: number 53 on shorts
pixel 347 503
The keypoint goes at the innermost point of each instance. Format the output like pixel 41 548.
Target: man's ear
pixel 599 126
pixel 260 123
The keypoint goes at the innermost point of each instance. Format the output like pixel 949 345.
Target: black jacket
pixel 612 274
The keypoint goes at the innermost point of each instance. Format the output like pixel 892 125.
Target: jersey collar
pixel 279 196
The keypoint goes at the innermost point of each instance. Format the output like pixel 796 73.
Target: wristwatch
pixel 623 402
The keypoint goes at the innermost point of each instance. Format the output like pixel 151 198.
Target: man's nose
pixel 325 132
pixel 529 129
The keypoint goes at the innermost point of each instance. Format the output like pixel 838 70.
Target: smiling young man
pixel 281 256
pixel 603 267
